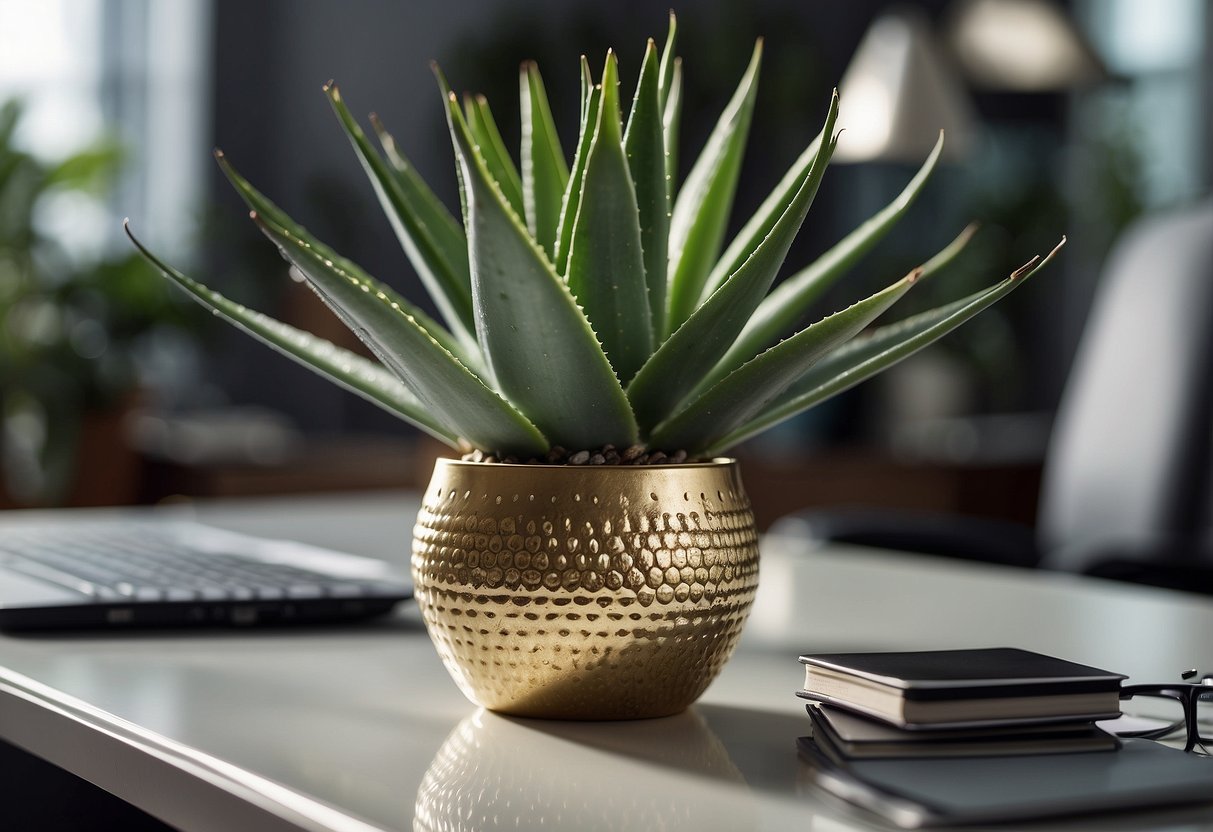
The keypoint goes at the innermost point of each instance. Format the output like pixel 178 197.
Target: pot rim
pixel 716 462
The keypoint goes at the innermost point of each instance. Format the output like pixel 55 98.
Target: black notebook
pixel 845 736
pixel 916 793
pixel 962 688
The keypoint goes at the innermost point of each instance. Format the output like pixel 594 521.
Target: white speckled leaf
pixel 455 394
pixel 340 366
pixel 750 388
pixel 542 351
pixel 865 357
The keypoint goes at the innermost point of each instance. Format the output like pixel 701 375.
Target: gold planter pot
pixel 585 592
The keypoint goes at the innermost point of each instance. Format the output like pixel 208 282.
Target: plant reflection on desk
pixel 499 772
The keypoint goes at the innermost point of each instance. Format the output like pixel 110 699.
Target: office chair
pixel 1126 489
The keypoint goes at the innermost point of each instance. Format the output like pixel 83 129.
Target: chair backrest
pixel 1130 452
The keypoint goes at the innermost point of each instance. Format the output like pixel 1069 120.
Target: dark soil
pixel 606 455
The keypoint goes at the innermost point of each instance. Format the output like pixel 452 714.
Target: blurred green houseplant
pixel 69 324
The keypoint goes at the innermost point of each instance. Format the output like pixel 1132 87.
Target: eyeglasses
pixel 1166 709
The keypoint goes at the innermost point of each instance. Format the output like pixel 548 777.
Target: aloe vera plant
pixel 586 299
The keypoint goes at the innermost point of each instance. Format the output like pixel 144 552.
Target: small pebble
pixel 597 459
pixel 556 454
pixel 579 458
pixel 489 458
pixel 679 457
pixel 510 460
pixel 657 457
pixel 633 453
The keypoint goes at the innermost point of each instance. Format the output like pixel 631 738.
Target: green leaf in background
pixel 606 262
pixel 754 385
pixel 444 88
pixel 760 222
pixel 340 366
pixel 572 194
pixel 701 210
pixel 428 209
pixel 92 169
pixel 452 392
pixel 587 86
pixel 665 77
pixel 464 349
pixel 416 219
pixel 671 117
pixel 542 350
pixel 644 143
pixel 493 150
pixel 669 95
pixel 865 357
pixel 680 362
pixel 789 302
pixel 545 173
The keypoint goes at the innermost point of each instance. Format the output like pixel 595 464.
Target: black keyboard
pixel 168 573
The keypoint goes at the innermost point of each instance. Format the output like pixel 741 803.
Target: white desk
pixel 359 729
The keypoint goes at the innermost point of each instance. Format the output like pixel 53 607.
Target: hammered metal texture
pixel 585 592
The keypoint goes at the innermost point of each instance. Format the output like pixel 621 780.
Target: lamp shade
pixel 898 93
pixel 1021 46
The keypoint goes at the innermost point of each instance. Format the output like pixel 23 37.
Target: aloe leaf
pixel 606 260
pixel 644 143
pixel 938 262
pixel 587 86
pixel 665 71
pixel 754 385
pixel 444 87
pixel 463 346
pixel 790 300
pixel 263 205
pixel 545 173
pixel 449 389
pixel 492 149
pixel 944 257
pixel 671 118
pixel 867 356
pixel 759 224
pixel 572 193
pixel 443 269
pixel 701 210
pixel 445 230
pixel 541 348
pixel 340 366
pixel 681 362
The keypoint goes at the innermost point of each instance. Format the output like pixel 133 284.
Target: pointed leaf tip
pixel 1025 268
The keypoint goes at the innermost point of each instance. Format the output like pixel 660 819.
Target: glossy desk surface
pixel 360 728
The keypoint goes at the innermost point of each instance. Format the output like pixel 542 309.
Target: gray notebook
pixel 939 792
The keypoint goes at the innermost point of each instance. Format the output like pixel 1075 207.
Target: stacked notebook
pixel 973 737
pixel 957 703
